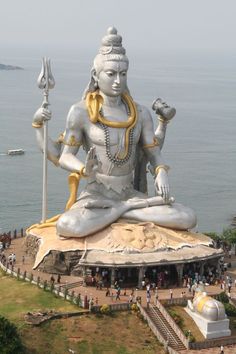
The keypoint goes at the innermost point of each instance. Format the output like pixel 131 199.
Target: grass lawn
pixel 18 297
pixel 123 333
pixel 188 323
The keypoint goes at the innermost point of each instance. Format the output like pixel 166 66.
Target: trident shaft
pixel 45 82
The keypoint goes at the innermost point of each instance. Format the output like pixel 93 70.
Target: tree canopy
pixel 10 341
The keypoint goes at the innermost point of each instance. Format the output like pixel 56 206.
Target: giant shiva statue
pixel 114 131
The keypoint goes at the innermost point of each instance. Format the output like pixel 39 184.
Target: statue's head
pixel 111 61
pixel 111 50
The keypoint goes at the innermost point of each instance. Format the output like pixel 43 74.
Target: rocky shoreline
pixel 10 67
pixel 233 223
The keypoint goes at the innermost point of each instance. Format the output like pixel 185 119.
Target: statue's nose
pixel 117 80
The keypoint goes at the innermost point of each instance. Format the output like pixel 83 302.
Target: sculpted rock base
pixel 121 244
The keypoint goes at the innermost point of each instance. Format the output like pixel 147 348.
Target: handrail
pixel 169 333
pixel 170 320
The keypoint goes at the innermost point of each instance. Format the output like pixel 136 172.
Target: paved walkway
pixel 99 295
pixel 227 350
pixel 17 248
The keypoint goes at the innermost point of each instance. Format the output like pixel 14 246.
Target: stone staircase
pixel 164 328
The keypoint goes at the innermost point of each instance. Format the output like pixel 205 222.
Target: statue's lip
pixel 116 87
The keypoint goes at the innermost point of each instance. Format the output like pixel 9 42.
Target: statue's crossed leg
pixel 91 215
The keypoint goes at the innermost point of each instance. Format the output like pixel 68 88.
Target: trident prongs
pixel 46 80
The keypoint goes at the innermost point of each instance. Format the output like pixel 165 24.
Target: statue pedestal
pixel 210 329
pixel 121 245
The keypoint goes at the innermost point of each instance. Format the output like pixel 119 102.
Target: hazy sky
pixel 166 24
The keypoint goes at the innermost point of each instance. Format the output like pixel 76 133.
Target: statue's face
pixel 112 79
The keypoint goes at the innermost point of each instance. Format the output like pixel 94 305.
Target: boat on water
pixel 15 152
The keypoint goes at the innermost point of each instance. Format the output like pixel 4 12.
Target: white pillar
pixel 113 273
pixel 141 275
pixel 180 268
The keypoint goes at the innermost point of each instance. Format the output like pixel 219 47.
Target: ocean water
pixel 199 147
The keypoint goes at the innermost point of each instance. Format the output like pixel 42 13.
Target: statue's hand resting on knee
pixel 162 185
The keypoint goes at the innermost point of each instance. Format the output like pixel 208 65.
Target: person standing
pixel 112 296
pixel 52 279
pixel 118 293
pixel 156 294
pixel 148 298
pixel 131 297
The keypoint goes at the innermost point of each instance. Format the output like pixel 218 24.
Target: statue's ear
pixel 93 83
pixel 94 75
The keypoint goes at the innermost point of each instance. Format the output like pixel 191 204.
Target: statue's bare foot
pixel 137 203
pixel 158 200
pixel 100 204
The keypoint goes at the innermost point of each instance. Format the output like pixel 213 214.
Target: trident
pixel 45 82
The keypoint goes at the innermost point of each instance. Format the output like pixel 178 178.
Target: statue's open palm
pixel 91 162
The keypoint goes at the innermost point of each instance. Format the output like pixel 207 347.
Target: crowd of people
pixel 154 280
pixel 5 241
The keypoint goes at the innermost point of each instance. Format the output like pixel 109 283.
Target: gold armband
pixel 82 172
pixel 165 167
pixel 37 125
pixel 161 119
pixel 72 142
pixel 155 143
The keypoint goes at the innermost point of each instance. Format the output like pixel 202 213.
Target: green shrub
pixel 105 309
pixel 176 317
pixel 10 342
pixel 222 297
pixel 213 235
pixel 134 307
pixel 230 310
pixel 190 336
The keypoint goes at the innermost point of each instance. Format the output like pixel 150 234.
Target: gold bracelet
pixel 37 125
pixel 61 138
pixel 165 167
pixel 82 172
pixel 149 146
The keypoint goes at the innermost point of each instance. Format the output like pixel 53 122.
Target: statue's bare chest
pixel 97 134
